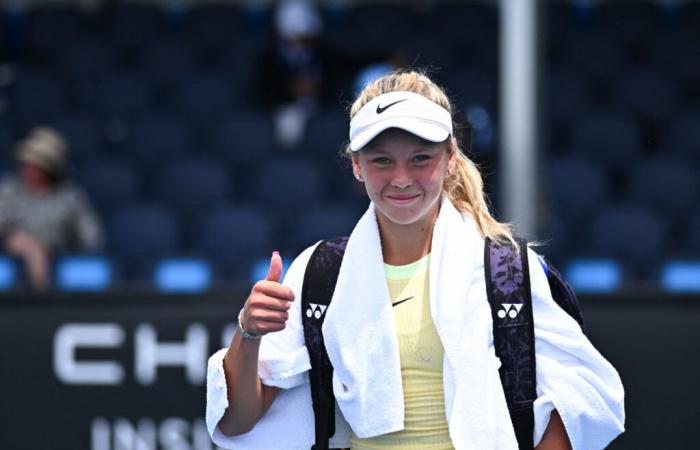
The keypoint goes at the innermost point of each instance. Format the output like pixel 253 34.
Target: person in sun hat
pixel 41 211
pixel 409 330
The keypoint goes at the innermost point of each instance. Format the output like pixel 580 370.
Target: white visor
pixel 405 110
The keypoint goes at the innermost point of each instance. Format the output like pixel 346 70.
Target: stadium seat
pixel 50 28
pixel 324 222
pixel 242 138
pixel 85 60
pixel 683 135
pixel 203 95
pixel 182 275
pixel 140 234
pixel 123 94
pixel 38 97
pixel 8 273
pixel 633 234
pixel 82 132
pixel 681 276
pixel 233 236
pixel 594 275
pixel 327 132
pixel 110 182
pixel 576 185
pixel 609 137
pixel 667 185
pixel 158 137
pixel 568 95
pixel 83 273
pixel 646 93
pixel 288 184
pixel 193 185
pixel 167 60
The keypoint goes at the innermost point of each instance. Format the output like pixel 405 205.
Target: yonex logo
pixel 509 310
pixel 315 310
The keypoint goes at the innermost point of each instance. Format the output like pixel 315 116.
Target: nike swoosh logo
pixel 382 109
pixel 401 301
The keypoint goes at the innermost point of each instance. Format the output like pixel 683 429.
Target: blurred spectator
pixel 294 70
pixel 42 212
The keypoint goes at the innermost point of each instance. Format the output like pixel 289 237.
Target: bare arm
pixel 249 399
pixel 555 437
pixel 265 311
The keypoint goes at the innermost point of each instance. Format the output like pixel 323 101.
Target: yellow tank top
pixel 421 353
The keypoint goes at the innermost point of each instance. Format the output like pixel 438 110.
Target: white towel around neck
pixel 361 340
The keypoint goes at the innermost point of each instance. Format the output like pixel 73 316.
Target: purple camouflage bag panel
pixel 508 291
pixel 317 291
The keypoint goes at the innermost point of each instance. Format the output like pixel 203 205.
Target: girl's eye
pixel 421 158
pixel 382 161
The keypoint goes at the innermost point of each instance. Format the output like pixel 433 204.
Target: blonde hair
pixel 464 186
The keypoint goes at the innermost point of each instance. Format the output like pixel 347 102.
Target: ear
pixel 356 169
pixel 451 161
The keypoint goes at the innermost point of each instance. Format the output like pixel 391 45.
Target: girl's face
pixel 403 175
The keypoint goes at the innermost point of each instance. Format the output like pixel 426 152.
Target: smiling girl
pixel 409 331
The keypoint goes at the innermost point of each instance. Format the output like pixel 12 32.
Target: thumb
pixel 275 271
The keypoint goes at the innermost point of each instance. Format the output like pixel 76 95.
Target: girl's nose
pixel 402 178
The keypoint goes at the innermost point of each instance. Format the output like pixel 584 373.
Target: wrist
pixel 245 334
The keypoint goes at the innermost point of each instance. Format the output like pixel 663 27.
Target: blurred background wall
pixel 204 135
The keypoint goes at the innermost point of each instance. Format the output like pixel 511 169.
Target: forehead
pixel 396 139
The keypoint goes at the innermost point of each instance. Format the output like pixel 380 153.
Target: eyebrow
pixel 419 149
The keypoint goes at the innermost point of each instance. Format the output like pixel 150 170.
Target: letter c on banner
pixel 71 336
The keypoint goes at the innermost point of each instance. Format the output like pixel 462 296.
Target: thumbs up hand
pixel 267 306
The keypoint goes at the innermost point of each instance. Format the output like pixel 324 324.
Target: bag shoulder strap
pixel 317 291
pixel 562 292
pixel 508 291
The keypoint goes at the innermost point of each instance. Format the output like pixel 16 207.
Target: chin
pixel 405 217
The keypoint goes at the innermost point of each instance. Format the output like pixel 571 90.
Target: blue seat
pixel 157 137
pixel 140 234
pixel 609 137
pixel 204 95
pixel 324 222
pixel 38 97
pixel 326 134
pixel 570 94
pixel 667 185
pixel 683 135
pixel 85 60
pixel 594 275
pixel 633 234
pixel 576 185
pixel 143 22
pixel 243 138
pixel 123 94
pixel 681 276
pixel 233 237
pixel 183 275
pixel 8 273
pixel 692 237
pixel 166 60
pixel 112 183
pixel 583 47
pixel 50 28
pixel 288 184
pixel 646 93
pixel 193 185
pixel 82 132
pixel 213 27
pixel 83 273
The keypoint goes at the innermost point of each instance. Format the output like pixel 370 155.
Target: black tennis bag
pixel 508 292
